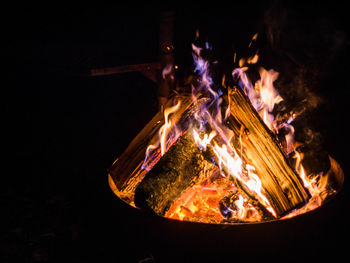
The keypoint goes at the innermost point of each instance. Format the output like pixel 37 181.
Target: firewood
pixel 126 172
pixel 282 186
pixel 178 169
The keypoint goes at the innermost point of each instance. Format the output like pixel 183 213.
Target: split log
pixel 281 184
pixel 126 172
pixel 178 169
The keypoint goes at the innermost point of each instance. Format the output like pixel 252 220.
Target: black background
pixel 63 129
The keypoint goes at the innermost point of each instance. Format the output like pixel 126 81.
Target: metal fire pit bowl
pixel 315 235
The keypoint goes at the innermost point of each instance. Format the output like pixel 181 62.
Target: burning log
pixel 281 184
pixel 126 172
pixel 181 166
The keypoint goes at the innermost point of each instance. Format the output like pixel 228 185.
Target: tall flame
pixel 166 128
pixel 262 94
pixel 167 135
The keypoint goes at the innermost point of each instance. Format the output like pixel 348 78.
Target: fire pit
pixel 221 154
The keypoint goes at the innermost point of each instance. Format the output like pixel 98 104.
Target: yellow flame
pixel 253 59
pixel 254 38
pixel 240 205
pixel 203 143
pixel 165 129
pixel 241 62
pixel 267 96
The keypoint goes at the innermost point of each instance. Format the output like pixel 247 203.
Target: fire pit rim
pixel 335 171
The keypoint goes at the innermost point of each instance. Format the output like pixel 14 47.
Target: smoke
pixel 305 43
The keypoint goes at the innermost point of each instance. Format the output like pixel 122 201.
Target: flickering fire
pixel 248 172
pixel 168 134
pixel 203 202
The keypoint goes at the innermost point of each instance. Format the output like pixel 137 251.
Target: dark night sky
pixel 63 129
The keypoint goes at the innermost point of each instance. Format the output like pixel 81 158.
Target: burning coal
pixel 222 154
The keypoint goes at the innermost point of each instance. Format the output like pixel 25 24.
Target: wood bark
pixel 178 169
